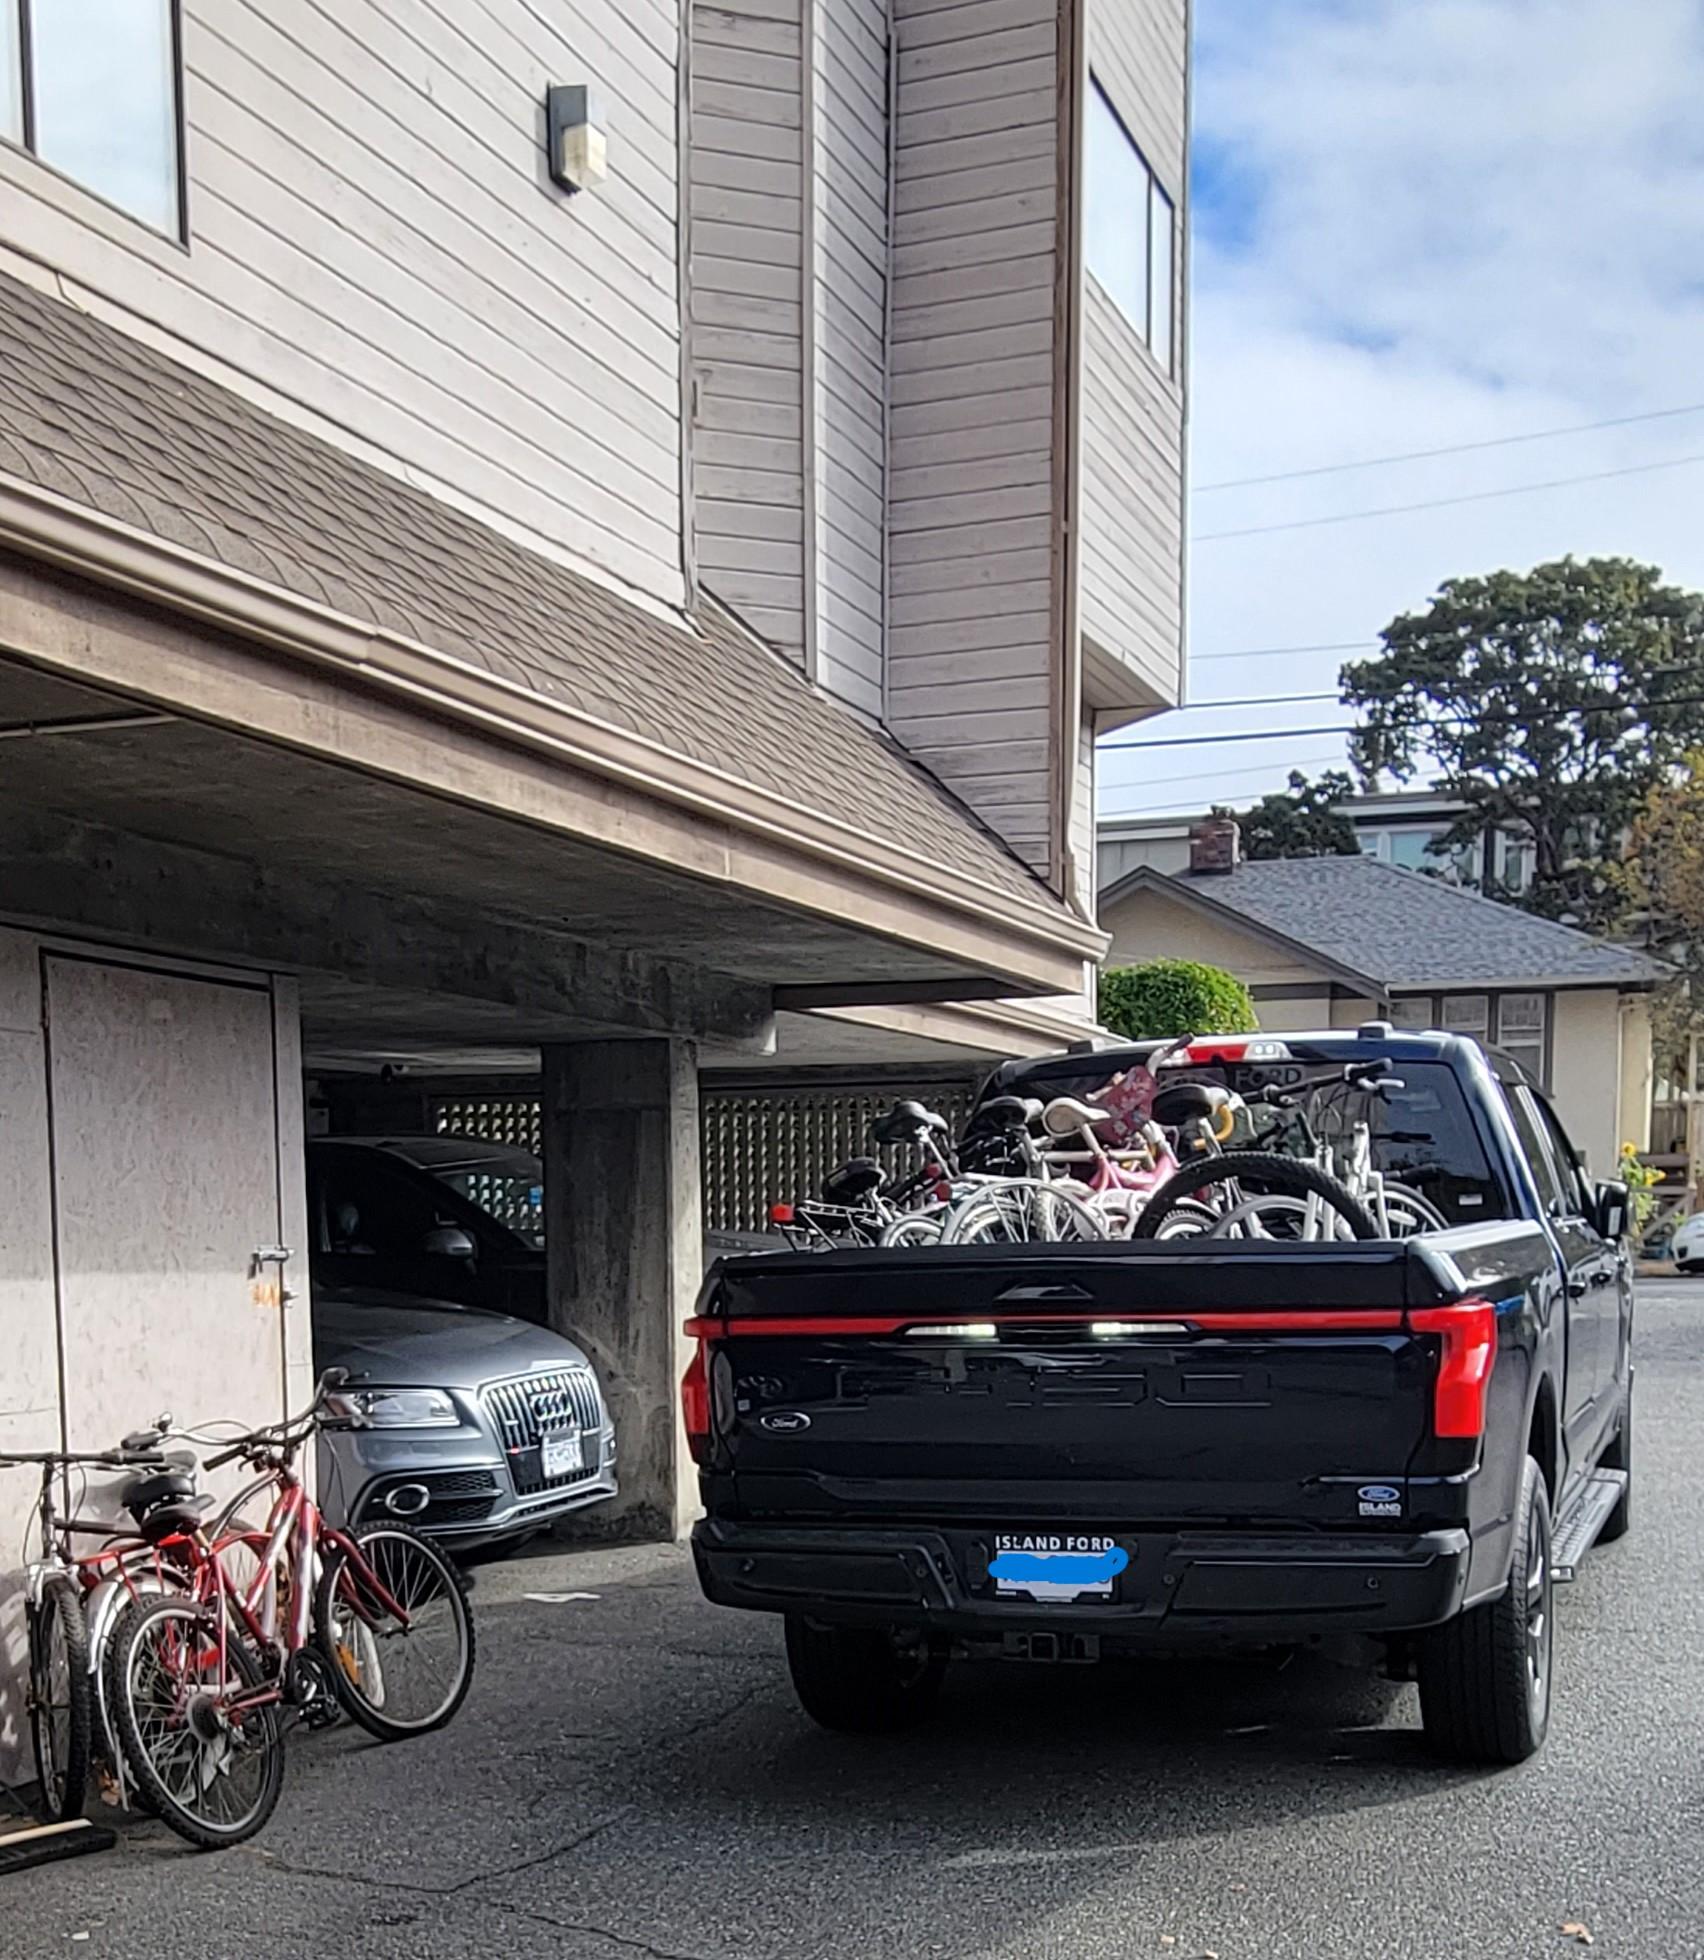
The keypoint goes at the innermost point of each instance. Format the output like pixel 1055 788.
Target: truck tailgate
pixel 1138 1384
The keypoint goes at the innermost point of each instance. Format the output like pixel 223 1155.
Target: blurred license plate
pixel 1062 1566
pixel 563 1456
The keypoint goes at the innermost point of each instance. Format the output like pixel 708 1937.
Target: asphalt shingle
pixel 1405 929
pixel 99 418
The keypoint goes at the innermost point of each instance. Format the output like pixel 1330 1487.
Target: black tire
pixel 256 1745
pixel 862 1680
pixel 1269 1174
pixel 1619 1456
pixel 61 1700
pixel 345 1604
pixel 1486 1676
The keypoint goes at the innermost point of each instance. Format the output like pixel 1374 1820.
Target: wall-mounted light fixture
pixel 579 139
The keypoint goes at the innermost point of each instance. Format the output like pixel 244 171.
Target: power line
pixel 1253 735
pixel 1276 653
pixel 1439 503
pixel 1253 701
pixel 1311 760
pixel 1449 449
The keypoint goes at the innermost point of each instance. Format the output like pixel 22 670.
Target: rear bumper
pixel 1178 1587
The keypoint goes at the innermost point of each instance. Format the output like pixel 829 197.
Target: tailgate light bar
pixel 1374 1320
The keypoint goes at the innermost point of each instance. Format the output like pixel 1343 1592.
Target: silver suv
pixel 481 1427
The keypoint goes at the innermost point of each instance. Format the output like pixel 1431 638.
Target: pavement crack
pixel 628 1942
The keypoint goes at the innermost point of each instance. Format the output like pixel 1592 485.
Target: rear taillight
pixel 695 1404
pixel 1469 1334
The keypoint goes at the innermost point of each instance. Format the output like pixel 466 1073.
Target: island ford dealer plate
pixel 1055 1565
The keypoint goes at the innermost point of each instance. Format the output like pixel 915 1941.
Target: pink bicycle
pixel 298 1619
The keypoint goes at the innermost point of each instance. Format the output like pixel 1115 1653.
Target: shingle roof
pixel 1404 929
pixel 102 419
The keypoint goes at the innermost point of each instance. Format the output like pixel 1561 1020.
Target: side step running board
pixel 1577 1533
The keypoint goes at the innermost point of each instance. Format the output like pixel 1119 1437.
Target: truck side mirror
pixel 449 1242
pixel 1612 1207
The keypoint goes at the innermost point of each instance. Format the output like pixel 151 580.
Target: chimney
pixel 1215 847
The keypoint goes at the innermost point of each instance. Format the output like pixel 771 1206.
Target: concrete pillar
pixel 623 1225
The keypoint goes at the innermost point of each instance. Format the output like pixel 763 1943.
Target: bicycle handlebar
pixel 290 1434
pixel 64 1459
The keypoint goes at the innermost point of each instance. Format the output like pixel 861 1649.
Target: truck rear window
pixel 1421 1126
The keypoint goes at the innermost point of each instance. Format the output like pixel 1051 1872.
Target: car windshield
pixel 509 1187
pixel 1420 1128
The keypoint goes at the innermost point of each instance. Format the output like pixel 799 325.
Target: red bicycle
pixel 294 1620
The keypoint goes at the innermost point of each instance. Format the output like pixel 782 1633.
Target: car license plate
pixel 562 1453
pixel 1055 1565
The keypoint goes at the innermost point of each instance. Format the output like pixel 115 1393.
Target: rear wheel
pixel 61 1698
pixel 1485 1676
pixel 211 1767
pixel 397 1639
pixel 863 1680
pixel 1023 1214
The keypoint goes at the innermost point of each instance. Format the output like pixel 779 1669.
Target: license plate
pixel 562 1454
pixel 1055 1565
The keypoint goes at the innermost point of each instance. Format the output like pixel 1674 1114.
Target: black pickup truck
pixel 1389 1449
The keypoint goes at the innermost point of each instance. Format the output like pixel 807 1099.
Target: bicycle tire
pixel 1284 1177
pixel 1404 1198
pixel 968 1221
pixel 912 1228
pixel 339 1663
pixel 57 1629
pixel 263 1731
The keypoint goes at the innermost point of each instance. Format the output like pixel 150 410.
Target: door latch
pixel 266 1276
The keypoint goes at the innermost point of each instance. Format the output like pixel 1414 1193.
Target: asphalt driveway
pixel 631 1776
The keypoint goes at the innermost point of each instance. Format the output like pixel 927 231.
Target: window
pixel 1468 1014
pixel 1567 1162
pixel 1520 1031
pixel 1130 229
pixel 1413 1013
pixel 1550 1187
pixel 91 86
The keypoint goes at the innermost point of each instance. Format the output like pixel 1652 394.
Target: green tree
pixel 1303 821
pixel 1550 702
pixel 1174 997
pixel 1661 878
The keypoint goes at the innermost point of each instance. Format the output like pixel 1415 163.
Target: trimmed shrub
pixel 1165 998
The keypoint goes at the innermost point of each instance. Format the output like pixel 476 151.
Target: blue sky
pixel 1417 223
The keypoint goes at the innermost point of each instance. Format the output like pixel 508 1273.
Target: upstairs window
pixel 91 87
pixel 1129 229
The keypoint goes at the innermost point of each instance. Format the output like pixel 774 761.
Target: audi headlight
pixel 395 1408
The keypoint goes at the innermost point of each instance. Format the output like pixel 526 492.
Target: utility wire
pixel 1311 760
pixel 1448 449
pixel 1439 503
pixel 1353 728
pixel 1276 653
pixel 1252 701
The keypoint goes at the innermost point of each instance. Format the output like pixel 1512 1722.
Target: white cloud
pixel 1420 222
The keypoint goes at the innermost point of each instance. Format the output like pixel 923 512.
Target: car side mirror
pixel 1612 1206
pixel 449 1242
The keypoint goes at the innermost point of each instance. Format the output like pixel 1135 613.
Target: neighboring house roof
pixel 103 420
pixel 1397 930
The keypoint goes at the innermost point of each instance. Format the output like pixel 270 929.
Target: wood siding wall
pixel 973 576
pixel 1133 413
pixel 850 152
pixel 373 236
pixel 747 286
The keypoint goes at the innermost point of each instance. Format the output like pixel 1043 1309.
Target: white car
pixel 1688 1247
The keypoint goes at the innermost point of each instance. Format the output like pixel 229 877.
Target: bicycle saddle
pixel 852 1182
pixel 1065 1116
pixel 165 1504
pixel 905 1121
pixel 1007 1113
pixel 1190 1102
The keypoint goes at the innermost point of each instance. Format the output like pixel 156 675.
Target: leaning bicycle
pixel 288 1621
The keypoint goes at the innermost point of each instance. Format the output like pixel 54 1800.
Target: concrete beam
pixel 59 875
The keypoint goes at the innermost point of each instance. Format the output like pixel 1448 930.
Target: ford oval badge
pixel 1379 1494
pixel 786 1422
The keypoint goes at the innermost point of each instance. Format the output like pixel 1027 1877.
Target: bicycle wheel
pixel 60 1697
pixel 213 1772
pixel 913 1228
pixel 395 1632
pixel 1020 1214
pixel 1408 1212
pixel 1258 1173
